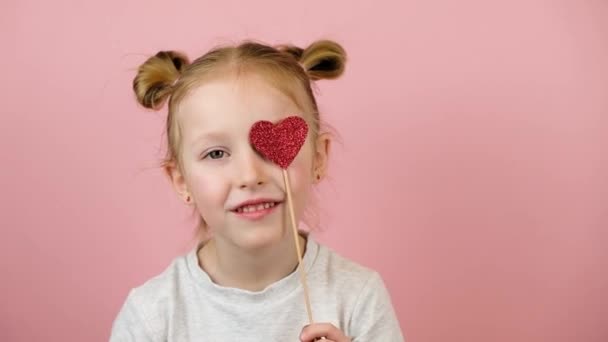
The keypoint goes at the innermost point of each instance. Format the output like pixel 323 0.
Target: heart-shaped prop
pixel 281 142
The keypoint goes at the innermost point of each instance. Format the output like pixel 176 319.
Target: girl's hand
pixel 315 331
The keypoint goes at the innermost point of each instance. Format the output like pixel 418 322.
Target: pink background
pixel 472 171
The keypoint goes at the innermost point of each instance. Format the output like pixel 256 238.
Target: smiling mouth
pixel 252 208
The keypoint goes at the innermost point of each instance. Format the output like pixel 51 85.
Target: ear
pixel 321 156
pixel 175 175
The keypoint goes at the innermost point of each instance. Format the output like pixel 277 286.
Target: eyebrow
pixel 208 136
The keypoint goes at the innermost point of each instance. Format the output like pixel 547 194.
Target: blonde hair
pixel 170 75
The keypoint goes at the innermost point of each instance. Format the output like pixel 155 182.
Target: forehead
pixel 232 103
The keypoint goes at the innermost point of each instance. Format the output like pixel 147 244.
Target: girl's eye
pixel 215 154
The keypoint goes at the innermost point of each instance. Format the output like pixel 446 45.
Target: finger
pixel 321 339
pixel 318 330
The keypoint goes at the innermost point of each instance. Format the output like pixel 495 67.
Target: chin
pixel 258 239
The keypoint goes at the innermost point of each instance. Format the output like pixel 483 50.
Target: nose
pixel 251 170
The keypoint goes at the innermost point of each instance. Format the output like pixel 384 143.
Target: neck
pixel 253 270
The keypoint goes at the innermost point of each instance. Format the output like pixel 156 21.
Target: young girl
pixel 241 282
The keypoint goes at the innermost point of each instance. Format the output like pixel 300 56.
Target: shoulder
pixel 343 270
pixel 371 315
pixel 344 279
pixel 164 284
pixel 146 307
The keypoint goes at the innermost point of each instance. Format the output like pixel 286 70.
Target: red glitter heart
pixel 279 143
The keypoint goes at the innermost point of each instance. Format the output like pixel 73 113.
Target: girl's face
pixel 222 171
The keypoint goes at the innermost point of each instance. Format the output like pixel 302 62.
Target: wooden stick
pixel 299 251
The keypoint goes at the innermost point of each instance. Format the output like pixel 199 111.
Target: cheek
pixel 300 177
pixel 209 190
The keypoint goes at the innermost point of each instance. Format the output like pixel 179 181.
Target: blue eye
pixel 215 154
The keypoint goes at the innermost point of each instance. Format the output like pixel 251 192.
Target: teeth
pixel 255 207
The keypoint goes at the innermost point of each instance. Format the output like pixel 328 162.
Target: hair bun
pixel 323 59
pixel 156 76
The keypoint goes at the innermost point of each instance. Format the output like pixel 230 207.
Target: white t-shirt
pixel 184 304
